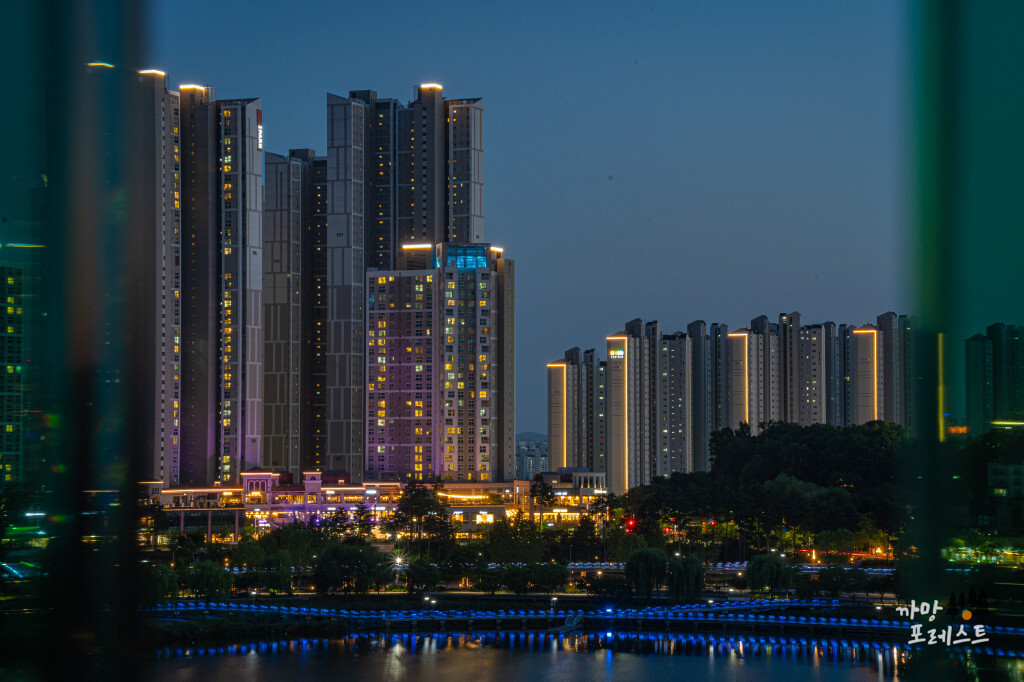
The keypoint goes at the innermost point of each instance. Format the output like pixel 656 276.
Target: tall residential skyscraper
pixel 896 331
pixel 978 367
pixel 288 214
pixel 721 367
pixel 596 448
pixel 344 285
pixel 702 395
pixel 845 373
pixel 770 369
pixel 815 392
pixel 222 286
pixel 630 416
pixel 576 395
pixel 834 380
pixel 393 175
pixel 424 177
pixel 674 433
pixel 157 209
pixel 563 413
pixel 623 407
pixel 647 405
pixel 995 377
pixel 13 349
pixel 867 356
pixel 441 366
pixel 744 364
pixel 298 330
pixel 790 375
pixel 1007 371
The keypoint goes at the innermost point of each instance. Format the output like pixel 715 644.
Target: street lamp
pixel 399 559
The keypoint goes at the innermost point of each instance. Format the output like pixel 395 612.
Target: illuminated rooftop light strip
pixel 464 497
pixel 436 86
pixel 103 64
pixel 191 86
pixel 417 246
pixel 154 72
pixel 498 249
pixel 18 245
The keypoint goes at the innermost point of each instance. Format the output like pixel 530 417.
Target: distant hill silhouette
pixel 531 435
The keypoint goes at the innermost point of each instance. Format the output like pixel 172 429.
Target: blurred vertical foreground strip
pixel 968 103
pixel 66 194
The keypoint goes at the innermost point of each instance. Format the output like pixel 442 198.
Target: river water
pixel 529 656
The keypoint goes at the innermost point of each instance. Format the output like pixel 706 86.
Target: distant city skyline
pixel 709 162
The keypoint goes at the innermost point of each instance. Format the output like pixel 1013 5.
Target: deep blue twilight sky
pixel 665 160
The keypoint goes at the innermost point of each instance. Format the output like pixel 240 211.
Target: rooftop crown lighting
pixel 436 86
pixel 153 72
pixel 103 64
pixel 191 86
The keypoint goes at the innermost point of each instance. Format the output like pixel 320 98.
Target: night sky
pixel 671 161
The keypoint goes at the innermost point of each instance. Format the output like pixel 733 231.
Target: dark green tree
pixel 685 580
pixel 300 540
pixel 548 576
pixel 276 572
pixel 769 573
pixel 463 562
pixel 246 554
pixel 645 571
pixel 208 580
pixel 515 540
pixel 541 492
pixel 157 582
pixel 421 576
pixel 362 519
pixel 834 545
pixel 516 579
pixel 351 568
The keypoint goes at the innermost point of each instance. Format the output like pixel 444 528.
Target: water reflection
pixel 543 656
